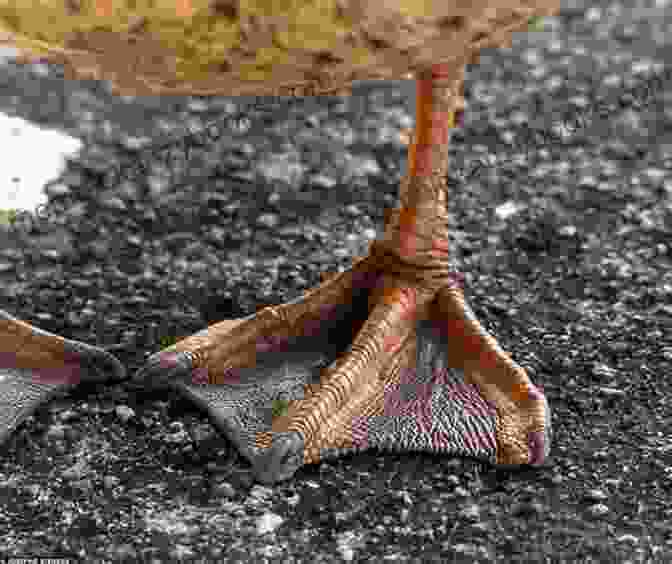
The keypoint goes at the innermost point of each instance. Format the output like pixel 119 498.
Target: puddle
pixel 32 156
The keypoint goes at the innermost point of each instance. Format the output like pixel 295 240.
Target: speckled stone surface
pixel 565 249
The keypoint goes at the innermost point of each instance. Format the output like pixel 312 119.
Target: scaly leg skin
pixel 524 419
pixel 381 392
pixel 351 393
pixel 37 366
pixel 214 354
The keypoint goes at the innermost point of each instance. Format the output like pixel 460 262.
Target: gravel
pixel 566 249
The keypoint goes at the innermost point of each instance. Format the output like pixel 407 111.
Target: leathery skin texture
pixel 37 366
pixel 426 402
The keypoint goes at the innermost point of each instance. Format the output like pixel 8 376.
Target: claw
pixel 540 443
pixel 98 364
pixel 165 368
pixel 281 460
pixel 37 366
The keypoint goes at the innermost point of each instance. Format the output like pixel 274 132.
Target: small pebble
pixel 110 482
pixel 224 489
pixel 74 472
pixel 56 432
pixel 453 480
pixel 268 522
pixel 470 512
pixel 467 549
pixel 177 438
pixel 85 485
pixel 346 553
pixel 202 432
pixel 125 551
pixel 596 495
pixel 124 412
pixel 147 421
pixel 461 492
pixel 598 510
pixel 180 552
pixel 612 392
pixel 261 492
pixel 527 509
pixel 67 415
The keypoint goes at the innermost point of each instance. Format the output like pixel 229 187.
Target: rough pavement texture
pixel 566 251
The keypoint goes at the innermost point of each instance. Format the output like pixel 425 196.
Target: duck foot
pixel 37 366
pixel 363 361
